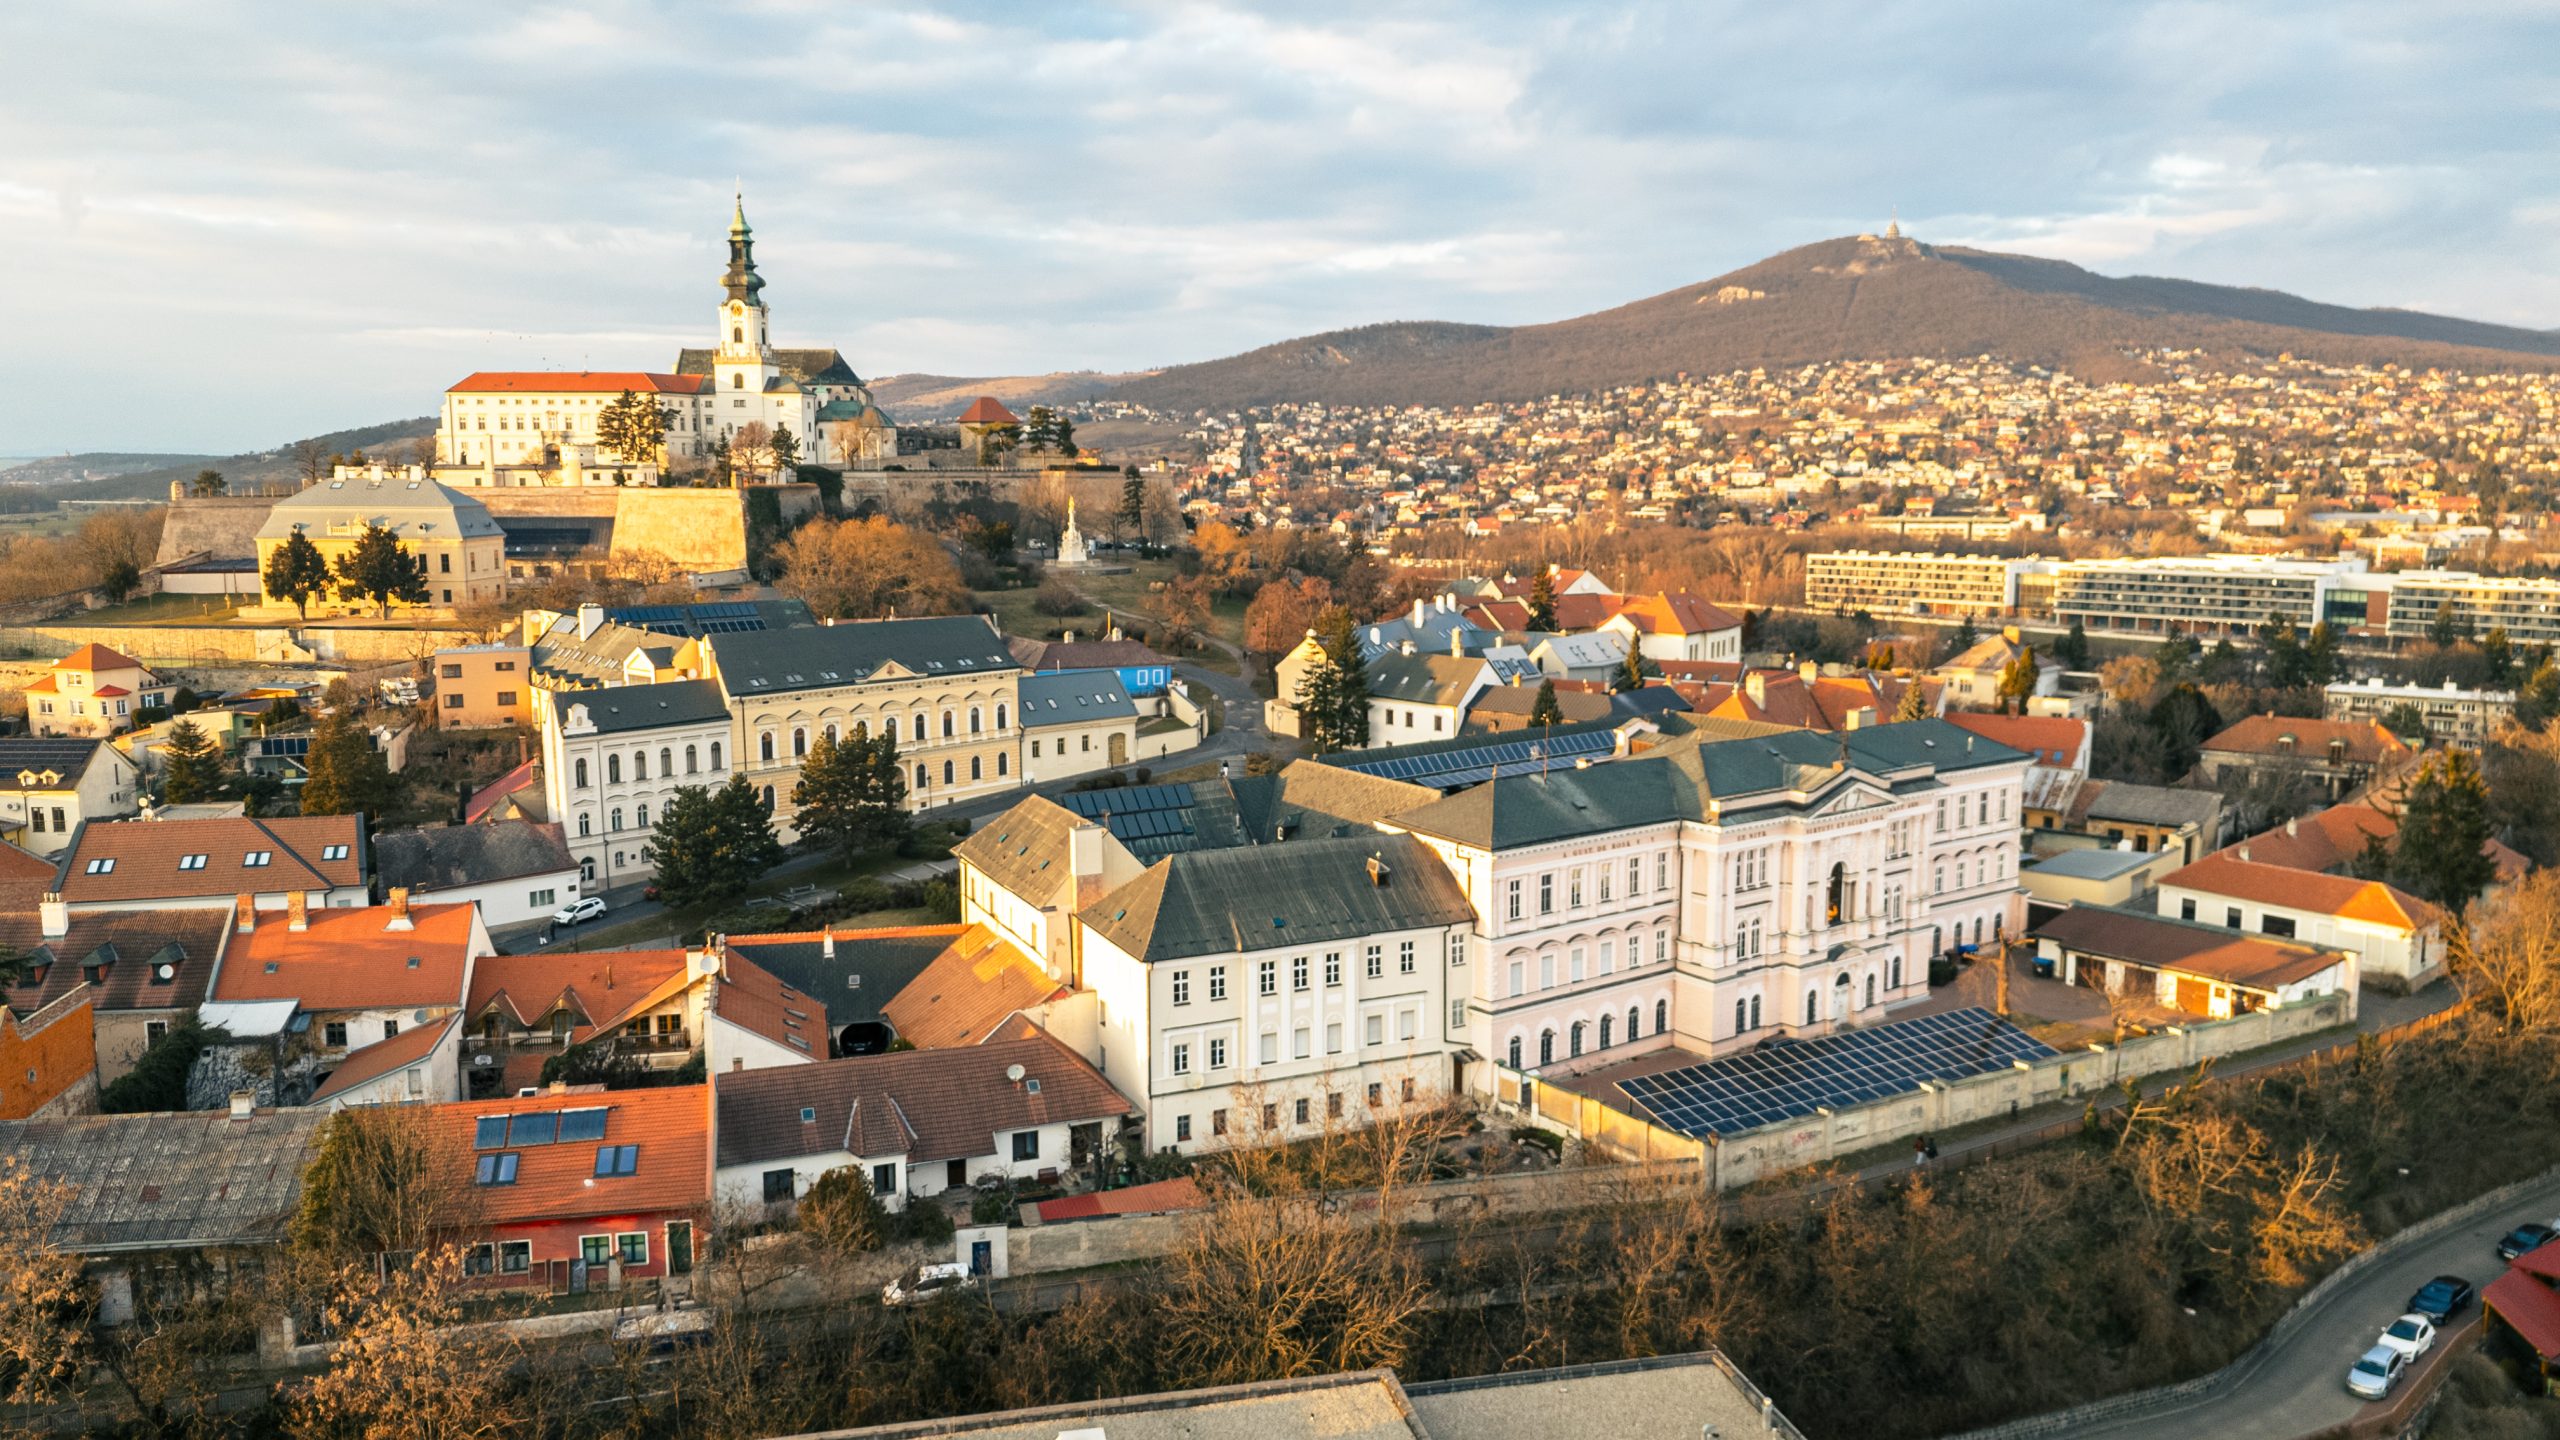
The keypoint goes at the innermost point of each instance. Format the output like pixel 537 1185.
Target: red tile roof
pixel 382 1057
pixel 582 382
pixel 1159 1197
pixel 349 960
pixel 602 987
pixel 146 856
pixel 1676 613
pixel 2049 739
pixel 97 657
pixel 130 945
pixel 987 410
pixel 2530 1306
pixel 756 1000
pixel 671 1125
pixel 2333 838
pixel 924 1104
pixel 2225 873
pixel 2367 743
pixel 966 991
pixel 486 798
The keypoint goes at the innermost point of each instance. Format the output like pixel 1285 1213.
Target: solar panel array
pixel 725 617
pixel 1765 1086
pixel 1152 820
pixel 1451 769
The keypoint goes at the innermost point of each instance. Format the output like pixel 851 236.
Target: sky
pixel 227 226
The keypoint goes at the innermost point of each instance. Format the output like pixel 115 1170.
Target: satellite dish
pixel 1014 1073
pixel 420 1018
pixel 166 972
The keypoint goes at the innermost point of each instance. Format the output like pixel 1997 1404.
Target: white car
pixel 577 911
pixel 2411 1335
pixel 2373 1376
pixel 925 1282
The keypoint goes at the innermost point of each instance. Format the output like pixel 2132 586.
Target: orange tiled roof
pixel 964 994
pixel 348 959
pixel 1676 613
pixel 146 855
pixel 97 657
pixel 603 987
pixel 2332 839
pixel 2366 741
pixel 598 382
pixel 2224 873
pixel 384 1056
pixel 2050 739
pixel 988 410
pixel 671 1125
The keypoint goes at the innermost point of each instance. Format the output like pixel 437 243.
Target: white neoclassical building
pixel 612 758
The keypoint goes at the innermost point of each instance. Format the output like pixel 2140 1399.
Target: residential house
pixel 2398 939
pixel 858 972
pixel 947 685
pixel 2105 875
pixel 915 1123
pixel 582 1191
pixel 2336 758
pixel 1599 656
pixel 1676 625
pixel 479 686
pixel 612 759
pixel 646 1006
pixel 753 1018
pixel 353 976
pixel 2340 838
pixel 2524 1302
pixel 1417 698
pixel 419 1065
pixel 2202 970
pixel 93 692
pixel 143 971
pixel 983 987
pixel 464 550
pixel 587 650
pixel 1971 678
pixel 1075 723
pixel 2059 747
pixel 1505 709
pixel 207 864
pixel 516 795
pixel 163 1206
pixel 1806 697
pixel 49 788
pixel 1025 874
pixel 2150 817
pixel 1141 671
pixel 1278 991
pixel 516 871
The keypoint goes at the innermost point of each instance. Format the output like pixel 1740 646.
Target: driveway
pixel 2299 1388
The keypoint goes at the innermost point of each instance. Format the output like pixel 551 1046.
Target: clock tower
pixel 743 363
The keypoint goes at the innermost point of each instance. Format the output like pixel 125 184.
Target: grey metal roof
pixel 1423 679
pixel 623 708
pixel 170 1181
pixel 1074 698
pixel 414 510
pixel 448 857
pixel 954 647
pixel 1307 892
pixel 823 366
pixel 864 974
pixel 2094 864
pixel 1024 850
pixel 2153 804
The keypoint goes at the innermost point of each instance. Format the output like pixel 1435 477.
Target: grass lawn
pixel 42 522
pixel 165 610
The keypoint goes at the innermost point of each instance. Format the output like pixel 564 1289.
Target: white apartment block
pixel 2528 609
pixel 2218 594
pixel 2453 715
pixel 1896 583
pixel 613 758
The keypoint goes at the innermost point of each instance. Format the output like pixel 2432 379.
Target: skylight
pixel 256 859
pixel 192 862
pixel 101 867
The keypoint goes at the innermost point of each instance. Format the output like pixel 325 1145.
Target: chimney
pixel 245 913
pixel 1417 612
pixel 1084 861
pixel 1756 686
pixel 1810 670
pixel 400 910
pixel 827 941
pixel 2011 634
pixel 1071 636
pixel 1862 717
pixel 2244 852
pixel 244 1104
pixel 297 914
pixel 56 913
pixel 1378 872
pixel 1457 644
pixel 2292 827
pixel 590 616
pixel 1407 647
pixel 559 1087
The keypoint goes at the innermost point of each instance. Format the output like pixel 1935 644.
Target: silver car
pixel 2373 1376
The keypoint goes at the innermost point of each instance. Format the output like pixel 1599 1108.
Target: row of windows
pixel 1577 968
pixel 767 742
pixel 1373 1032
pixel 1579 1029
pixel 1982 810
pixel 1600 880
pixel 1373 964
pixel 639 760
pixel 1302 1110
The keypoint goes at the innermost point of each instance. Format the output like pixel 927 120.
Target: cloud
pixel 323 217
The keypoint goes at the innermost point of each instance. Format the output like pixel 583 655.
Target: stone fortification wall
pixel 209 646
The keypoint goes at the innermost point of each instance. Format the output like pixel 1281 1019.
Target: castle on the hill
pixel 510 428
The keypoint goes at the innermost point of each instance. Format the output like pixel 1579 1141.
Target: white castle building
pixel 539 427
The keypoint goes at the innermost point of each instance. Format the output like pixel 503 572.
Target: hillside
pixel 1864 298
pixel 926 399
pixel 388 440
pixel 92 465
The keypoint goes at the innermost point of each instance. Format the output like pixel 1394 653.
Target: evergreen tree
pixel 1966 634
pixel 1040 430
pixel 851 796
pixel 786 448
pixel 1914 704
pixel 1545 711
pixel 1333 707
pixel 2538 699
pixel 210 483
pixel 2183 719
pixel 2018 679
pixel 2444 820
pixel 297 571
pixel 1066 437
pixel 193 764
pixel 346 773
pixel 2074 649
pixel 2320 655
pixel 1542 600
pixel 709 846
pixel 2406 721
pixel 2443 630
pixel 1133 503
pixel 2500 653
pixel 632 427
pixel 381 569
pixel 1631 672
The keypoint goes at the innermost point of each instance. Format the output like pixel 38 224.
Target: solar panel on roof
pixel 1763 1087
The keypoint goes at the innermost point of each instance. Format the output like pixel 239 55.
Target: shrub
pixel 158 1081
pixel 841 1213
pixel 923 1222
pixel 993 1207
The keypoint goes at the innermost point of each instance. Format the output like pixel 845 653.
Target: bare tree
pixel 43 1302
pixel 311 461
pixel 404 1366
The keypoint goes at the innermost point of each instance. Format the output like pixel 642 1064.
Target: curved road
pixel 2300 1388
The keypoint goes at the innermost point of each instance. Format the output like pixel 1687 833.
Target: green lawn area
pixel 165 610
pixel 42 522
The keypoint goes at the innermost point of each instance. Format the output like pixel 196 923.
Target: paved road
pixel 2300 1389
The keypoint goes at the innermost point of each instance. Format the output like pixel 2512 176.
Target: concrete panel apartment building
pixel 2453 715
pixel 1911 583
pixel 2528 609
pixel 2212 594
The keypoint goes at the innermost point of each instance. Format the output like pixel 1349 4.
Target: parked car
pixel 2442 1298
pixel 924 1282
pixel 578 912
pixel 2523 1238
pixel 2411 1335
pixel 2373 1376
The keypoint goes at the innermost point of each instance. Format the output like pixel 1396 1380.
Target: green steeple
pixel 740 280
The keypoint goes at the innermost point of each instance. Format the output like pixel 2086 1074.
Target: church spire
pixel 740 280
